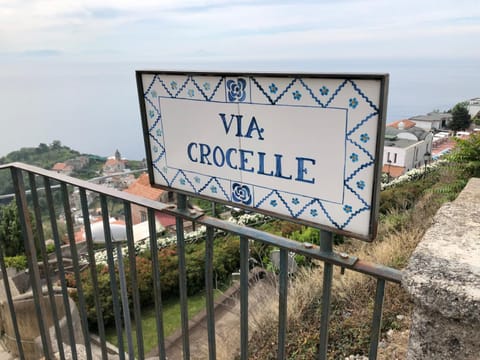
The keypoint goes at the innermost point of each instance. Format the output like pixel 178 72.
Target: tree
pixel 467 154
pixel 11 230
pixel 460 117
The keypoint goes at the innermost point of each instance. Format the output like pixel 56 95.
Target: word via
pixel 252 126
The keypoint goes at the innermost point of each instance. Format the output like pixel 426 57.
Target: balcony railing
pixel 60 332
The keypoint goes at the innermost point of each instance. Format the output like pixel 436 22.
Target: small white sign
pixel 298 146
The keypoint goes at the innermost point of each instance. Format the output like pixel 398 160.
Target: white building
pixel 407 146
pixel 432 121
pixel 473 106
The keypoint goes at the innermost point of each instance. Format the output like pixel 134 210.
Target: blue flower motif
pixel 361 184
pixel 191 93
pixel 353 103
pixel 154 93
pixel 295 201
pixel 241 193
pixel 173 85
pixel 182 181
pixel 348 209
pixel 324 91
pixel 354 157
pixel 213 189
pixel 273 203
pixel 273 88
pixel 197 179
pixel 159 132
pixel 206 86
pixel 236 90
pixel 297 95
pixel 155 149
pixel 151 113
pixel 314 212
pixel 364 138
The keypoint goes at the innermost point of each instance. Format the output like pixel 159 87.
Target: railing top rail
pixel 89 186
pixel 346 261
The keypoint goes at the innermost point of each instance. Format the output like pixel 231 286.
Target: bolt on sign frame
pixel 302 147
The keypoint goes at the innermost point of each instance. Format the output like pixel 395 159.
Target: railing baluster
pixel 244 256
pixel 377 319
pixel 209 293
pixel 111 271
pixel 93 271
pixel 76 271
pixel 326 245
pixel 133 276
pixel 156 284
pixel 41 240
pixel 182 274
pixel 11 306
pixel 31 252
pixel 282 304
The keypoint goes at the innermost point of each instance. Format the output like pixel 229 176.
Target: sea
pixel 93 106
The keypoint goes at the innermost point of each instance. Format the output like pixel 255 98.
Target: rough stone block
pixel 443 278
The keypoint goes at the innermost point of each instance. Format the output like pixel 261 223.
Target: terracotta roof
pixel 141 187
pixel 407 124
pixel 165 219
pixel 395 171
pixel 59 166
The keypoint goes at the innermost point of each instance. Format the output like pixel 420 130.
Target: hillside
pixel 45 156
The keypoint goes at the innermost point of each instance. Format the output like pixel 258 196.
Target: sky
pixel 67 67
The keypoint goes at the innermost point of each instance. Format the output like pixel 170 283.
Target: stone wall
pixel 443 279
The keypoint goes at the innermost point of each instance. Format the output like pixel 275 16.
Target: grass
pixel 171 321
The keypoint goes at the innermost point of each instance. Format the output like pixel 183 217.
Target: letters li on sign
pixel 302 147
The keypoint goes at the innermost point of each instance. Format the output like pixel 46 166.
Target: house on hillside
pixel 407 146
pixel 432 121
pixel 62 168
pixel 141 187
pixel 114 164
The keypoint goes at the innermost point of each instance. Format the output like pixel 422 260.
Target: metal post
pixel 209 293
pixel 124 297
pixel 30 250
pixel 282 304
pixel 326 245
pixel 182 273
pixel 244 255
pixel 377 319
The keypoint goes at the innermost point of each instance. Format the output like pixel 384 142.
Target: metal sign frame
pixel 176 106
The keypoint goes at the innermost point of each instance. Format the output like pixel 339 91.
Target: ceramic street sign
pixel 304 147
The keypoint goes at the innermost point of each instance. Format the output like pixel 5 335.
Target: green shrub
pixel 18 262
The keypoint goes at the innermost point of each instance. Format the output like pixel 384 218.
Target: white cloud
pixel 149 28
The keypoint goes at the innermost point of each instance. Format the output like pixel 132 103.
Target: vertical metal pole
pixel 326 245
pixel 41 240
pixel 209 294
pixel 11 306
pixel 111 271
pixel 182 273
pixel 243 298
pixel 377 319
pixel 30 250
pixel 76 267
pixel 134 282
pixel 93 272
pixel 282 304
pixel 124 299
pixel 156 284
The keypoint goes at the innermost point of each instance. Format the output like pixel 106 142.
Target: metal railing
pixel 48 307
